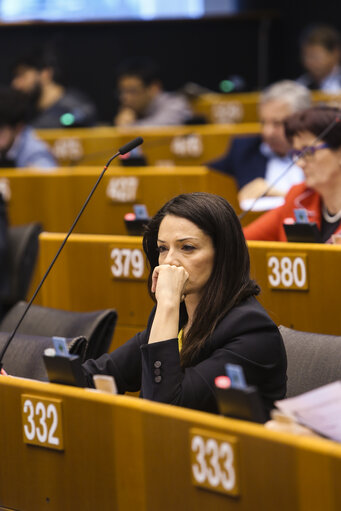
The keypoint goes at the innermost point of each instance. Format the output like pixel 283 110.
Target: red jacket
pixel 269 227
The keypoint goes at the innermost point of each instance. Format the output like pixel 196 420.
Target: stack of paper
pixel 318 409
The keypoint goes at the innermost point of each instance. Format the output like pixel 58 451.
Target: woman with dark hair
pixel 320 194
pixel 206 314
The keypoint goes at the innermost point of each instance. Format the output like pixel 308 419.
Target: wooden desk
pixel 220 108
pixel 123 453
pixel 54 198
pixel 83 280
pixel 300 284
pixel 242 107
pixel 171 145
pixel 95 272
pixel 327 98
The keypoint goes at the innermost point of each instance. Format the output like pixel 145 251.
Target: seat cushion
pixel 313 360
pixel 24 356
pixel 96 326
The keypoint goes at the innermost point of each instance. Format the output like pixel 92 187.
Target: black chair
pixel 24 356
pixel 313 360
pixel 97 327
pixel 23 254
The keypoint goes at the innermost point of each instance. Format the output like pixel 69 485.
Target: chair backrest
pixel 24 356
pixel 313 360
pixel 97 327
pixel 23 253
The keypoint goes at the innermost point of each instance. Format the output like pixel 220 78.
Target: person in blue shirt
pixel 19 145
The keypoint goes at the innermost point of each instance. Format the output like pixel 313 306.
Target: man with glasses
pixel 258 161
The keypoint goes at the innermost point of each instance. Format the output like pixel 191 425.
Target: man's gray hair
pixel 294 94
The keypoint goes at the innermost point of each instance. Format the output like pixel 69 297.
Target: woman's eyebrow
pixel 180 239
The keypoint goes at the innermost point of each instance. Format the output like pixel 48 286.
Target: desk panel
pixel 81 280
pixel 227 108
pixel 243 107
pixel 314 308
pixel 122 453
pixel 165 145
pixel 55 198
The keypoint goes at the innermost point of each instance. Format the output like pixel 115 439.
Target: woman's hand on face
pixel 168 282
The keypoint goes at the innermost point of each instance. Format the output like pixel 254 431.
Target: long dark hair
pixel 229 282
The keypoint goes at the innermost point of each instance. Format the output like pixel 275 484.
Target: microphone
pixel 123 150
pixel 129 146
pixel 242 215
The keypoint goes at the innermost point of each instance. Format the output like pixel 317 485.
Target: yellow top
pixel 180 335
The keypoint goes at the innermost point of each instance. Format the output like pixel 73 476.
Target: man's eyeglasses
pixel 306 152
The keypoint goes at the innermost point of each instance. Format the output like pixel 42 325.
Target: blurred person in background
pixel 320 55
pixel 37 74
pixel 19 145
pixel 257 161
pixel 142 101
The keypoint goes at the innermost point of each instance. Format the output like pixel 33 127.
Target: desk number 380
pixel 287 271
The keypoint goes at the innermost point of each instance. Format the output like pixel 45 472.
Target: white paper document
pixel 262 204
pixel 319 409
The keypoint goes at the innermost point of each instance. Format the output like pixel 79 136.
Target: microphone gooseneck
pixel 123 150
pixel 301 155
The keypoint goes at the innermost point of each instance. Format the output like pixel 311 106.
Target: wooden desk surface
pixel 122 453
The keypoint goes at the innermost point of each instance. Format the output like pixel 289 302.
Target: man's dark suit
pixel 243 160
pixel 245 336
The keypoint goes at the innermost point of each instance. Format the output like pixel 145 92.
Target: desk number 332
pixel 42 422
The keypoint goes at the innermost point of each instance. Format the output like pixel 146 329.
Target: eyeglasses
pixel 306 152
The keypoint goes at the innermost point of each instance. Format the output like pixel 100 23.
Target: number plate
pixel 127 263
pixel 187 146
pixel 122 189
pixel 42 421
pixel 233 111
pixel 214 462
pixel 287 271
